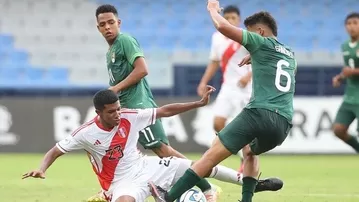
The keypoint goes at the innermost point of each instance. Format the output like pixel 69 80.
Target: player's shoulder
pixel 345 43
pixel 85 128
pixel 123 37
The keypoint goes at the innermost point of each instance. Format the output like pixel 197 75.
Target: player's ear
pixel 97 112
pixel 119 22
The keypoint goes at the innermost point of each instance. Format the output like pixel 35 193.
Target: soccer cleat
pixel 269 184
pixel 99 197
pixel 157 192
pixel 211 194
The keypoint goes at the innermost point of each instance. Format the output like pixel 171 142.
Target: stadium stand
pixel 44 42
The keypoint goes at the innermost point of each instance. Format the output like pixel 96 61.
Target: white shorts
pixel 163 172
pixel 230 102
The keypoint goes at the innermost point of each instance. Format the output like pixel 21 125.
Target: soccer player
pixel 266 120
pixel 127 69
pixel 349 109
pixel 110 139
pixel 236 88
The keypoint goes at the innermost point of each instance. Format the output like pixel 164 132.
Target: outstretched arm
pixel 221 24
pixel 48 159
pixel 177 108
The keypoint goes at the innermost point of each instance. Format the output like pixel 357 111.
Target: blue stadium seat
pixel 34 74
pixel 6 41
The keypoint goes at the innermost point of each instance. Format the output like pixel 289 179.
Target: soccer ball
pixel 192 195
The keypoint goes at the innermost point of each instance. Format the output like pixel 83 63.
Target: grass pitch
pixel 70 179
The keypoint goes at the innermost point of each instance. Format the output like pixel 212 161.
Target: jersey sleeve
pixel 251 41
pixel 145 117
pixel 70 143
pixel 213 54
pixel 131 48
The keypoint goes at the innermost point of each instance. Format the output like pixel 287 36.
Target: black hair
pixel 231 9
pixel 106 8
pixel 264 18
pixel 351 15
pixel 104 97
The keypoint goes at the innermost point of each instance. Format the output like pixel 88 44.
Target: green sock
pixel 203 185
pixel 249 184
pixel 353 142
pixel 186 182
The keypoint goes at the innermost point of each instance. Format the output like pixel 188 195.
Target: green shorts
pixel 347 113
pixel 153 136
pixel 261 128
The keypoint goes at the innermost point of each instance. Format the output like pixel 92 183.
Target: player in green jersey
pixel 349 109
pixel 266 120
pixel 127 69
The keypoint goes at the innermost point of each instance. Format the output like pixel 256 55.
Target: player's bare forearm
pixel 49 158
pixel 224 27
pixel 245 79
pixel 356 71
pixel 210 72
pixel 139 71
pixel 176 108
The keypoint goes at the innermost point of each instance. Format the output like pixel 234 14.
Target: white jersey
pixel 114 154
pixel 229 53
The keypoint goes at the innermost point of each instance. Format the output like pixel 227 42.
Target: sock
pixel 204 185
pixel 225 174
pixel 186 182
pixel 353 142
pixel 249 184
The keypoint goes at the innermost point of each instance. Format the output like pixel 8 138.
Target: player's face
pixel 111 114
pixel 108 24
pixel 352 26
pixel 232 18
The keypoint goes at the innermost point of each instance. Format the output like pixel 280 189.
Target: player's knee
pixel 125 199
pixel 219 123
pixel 340 130
pixel 163 151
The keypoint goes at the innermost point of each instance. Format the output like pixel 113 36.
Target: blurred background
pixel 52 61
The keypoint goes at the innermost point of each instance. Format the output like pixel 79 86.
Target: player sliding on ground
pixel 110 139
pixel 266 120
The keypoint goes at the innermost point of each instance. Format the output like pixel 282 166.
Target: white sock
pixel 225 174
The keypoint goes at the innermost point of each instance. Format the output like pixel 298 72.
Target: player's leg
pixel 271 131
pixel 154 138
pixel 345 116
pixel 125 199
pixel 229 141
pixel 224 108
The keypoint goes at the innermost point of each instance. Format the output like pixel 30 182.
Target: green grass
pixel 70 179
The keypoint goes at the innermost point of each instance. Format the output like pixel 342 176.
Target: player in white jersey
pixel 236 88
pixel 110 139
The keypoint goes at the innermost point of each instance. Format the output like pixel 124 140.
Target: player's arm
pixel 245 79
pixel 211 69
pixel 221 24
pixel 135 57
pixel 251 41
pixel 69 144
pixel 177 108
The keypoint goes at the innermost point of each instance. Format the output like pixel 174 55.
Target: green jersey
pixel 351 59
pixel 120 58
pixel 273 73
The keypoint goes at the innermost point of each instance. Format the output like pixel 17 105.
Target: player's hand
pixel 336 81
pixel 242 83
pixel 201 89
pixel 245 61
pixel 114 89
pixel 347 71
pixel 34 174
pixel 214 5
pixel 206 95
